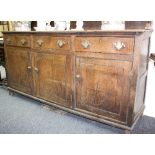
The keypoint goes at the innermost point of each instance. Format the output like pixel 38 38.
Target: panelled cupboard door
pixel 53 78
pixel 19 69
pixel 102 87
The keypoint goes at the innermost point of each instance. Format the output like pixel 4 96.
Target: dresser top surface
pixel 128 31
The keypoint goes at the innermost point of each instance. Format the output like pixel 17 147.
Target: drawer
pixel 104 44
pixel 51 42
pixel 23 41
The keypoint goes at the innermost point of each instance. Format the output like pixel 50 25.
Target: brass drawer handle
pixel 40 42
pixel 118 45
pixel 8 41
pixel 85 44
pixel 60 43
pixel 23 41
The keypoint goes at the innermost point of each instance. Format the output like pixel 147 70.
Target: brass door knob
pixel 60 43
pixel 40 42
pixel 118 45
pixel 36 69
pixel 85 44
pixel 78 76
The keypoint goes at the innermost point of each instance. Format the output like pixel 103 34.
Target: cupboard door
pixel 102 87
pixel 53 78
pixel 19 69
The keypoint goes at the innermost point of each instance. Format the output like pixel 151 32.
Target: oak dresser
pixel 100 75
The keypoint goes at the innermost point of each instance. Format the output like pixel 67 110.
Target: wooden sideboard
pixel 100 75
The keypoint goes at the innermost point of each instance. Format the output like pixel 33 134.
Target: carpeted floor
pixel 21 115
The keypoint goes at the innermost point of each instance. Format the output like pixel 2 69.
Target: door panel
pixel 53 78
pixel 19 75
pixel 102 87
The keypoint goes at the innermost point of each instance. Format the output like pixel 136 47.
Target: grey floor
pixel 21 115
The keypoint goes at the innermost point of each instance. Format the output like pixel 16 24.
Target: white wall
pixel 150 90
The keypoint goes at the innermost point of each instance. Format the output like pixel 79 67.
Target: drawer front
pixel 104 44
pixel 51 42
pixel 15 40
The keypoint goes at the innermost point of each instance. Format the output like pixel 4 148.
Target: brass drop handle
pixel 85 44
pixel 78 78
pixel 36 69
pixel 23 41
pixel 60 43
pixel 40 42
pixel 8 41
pixel 118 45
